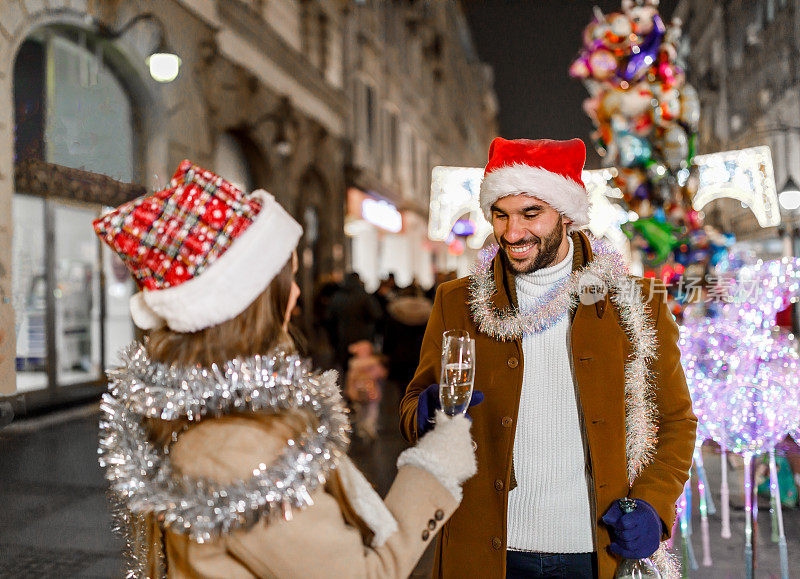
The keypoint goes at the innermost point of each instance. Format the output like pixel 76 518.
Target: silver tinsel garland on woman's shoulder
pixel 141 476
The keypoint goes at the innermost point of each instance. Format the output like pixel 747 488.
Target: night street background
pixel 530 44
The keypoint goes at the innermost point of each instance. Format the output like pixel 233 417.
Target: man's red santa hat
pixel 201 251
pixel 545 169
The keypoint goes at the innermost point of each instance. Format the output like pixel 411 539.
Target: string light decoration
pixel 455 192
pixel 743 374
pixel 746 175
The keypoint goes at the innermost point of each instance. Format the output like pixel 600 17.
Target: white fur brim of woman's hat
pixel 547 170
pixel 231 283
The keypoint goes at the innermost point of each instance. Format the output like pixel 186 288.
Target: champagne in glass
pixel 458 372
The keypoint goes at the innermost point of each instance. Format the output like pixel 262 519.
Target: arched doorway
pixel 230 162
pixel 74 153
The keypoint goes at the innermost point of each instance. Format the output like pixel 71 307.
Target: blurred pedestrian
pixel 224 449
pixel 386 292
pixel 364 383
pixel 352 315
pixel 440 278
pixel 408 315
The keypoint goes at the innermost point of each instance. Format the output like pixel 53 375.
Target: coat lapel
pixel 583 254
pixel 506 295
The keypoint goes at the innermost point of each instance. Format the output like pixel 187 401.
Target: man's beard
pixel 548 250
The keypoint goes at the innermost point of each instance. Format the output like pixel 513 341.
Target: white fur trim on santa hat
pixel 562 194
pixel 231 283
pixel 142 315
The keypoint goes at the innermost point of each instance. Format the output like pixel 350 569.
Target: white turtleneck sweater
pixel 549 509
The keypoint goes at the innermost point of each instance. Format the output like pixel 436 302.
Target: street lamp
pixel 164 66
pixel 163 63
pixel 282 144
pixel 789 197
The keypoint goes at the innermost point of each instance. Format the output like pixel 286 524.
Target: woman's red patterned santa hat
pixel 201 250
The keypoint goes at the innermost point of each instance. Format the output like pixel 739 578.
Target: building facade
pixel 267 95
pixel 743 59
pixel 421 98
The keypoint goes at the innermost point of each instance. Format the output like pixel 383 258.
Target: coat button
pixel 431 524
pixel 496 543
pixel 506 421
pixel 498 484
pixel 513 362
pixel 426 534
pixel 439 514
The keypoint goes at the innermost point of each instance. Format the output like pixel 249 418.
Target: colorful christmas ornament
pixel 660 236
pixel 644 113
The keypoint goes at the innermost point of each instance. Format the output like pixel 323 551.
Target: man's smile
pixel 520 251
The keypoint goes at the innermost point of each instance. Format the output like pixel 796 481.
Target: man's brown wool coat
pixel 473 542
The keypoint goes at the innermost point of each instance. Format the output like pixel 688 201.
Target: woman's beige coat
pixel 317 542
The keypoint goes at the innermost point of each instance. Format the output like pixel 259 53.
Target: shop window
pixel 314 34
pixel 74 126
pixel 394 142
pixel 29 101
pixel 324 33
pixel 77 295
pixel 29 292
pixel 305 27
pixel 88 126
pixel 412 154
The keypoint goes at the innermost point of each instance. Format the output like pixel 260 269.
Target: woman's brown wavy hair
pixel 258 329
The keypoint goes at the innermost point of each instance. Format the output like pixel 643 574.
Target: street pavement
pixel 54 520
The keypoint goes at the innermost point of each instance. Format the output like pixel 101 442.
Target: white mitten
pixel 446 452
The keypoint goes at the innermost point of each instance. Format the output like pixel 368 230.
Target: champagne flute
pixel 458 372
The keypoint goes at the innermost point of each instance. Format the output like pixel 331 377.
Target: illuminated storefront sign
pixel 382 214
pixel 746 175
pixel 364 210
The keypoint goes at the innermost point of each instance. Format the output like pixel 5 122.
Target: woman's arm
pixel 317 542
